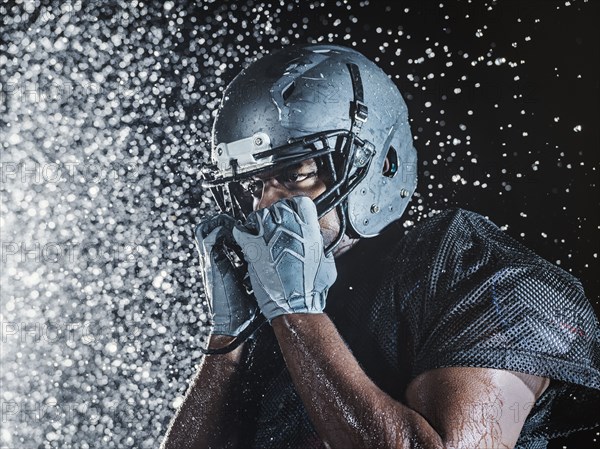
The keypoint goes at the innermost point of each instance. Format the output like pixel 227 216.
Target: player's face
pixel 302 179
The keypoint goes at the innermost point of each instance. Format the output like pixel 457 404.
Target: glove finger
pixel 302 208
pixel 207 243
pixel 205 232
pixel 276 211
pixel 286 206
pixel 283 212
pixel 207 226
pixel 226 222
pixel 243 236
pixel 305 208
pixel 253 223
pixel 248 240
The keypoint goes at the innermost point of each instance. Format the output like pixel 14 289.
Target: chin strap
pixel 359 112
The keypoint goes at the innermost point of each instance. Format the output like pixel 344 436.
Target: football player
pixel 334 326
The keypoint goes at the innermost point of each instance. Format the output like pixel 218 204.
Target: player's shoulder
pixel 461 241
pixel 452 228
pixel 460 229
pixel 453 222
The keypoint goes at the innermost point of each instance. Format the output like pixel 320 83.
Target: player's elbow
pixel 410 431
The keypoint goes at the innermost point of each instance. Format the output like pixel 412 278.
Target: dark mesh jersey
pixel 453 291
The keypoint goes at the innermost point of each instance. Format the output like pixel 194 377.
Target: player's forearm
pixel 346 407
pixel 208 415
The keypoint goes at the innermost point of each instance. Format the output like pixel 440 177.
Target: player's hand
pixel 232 308
pixel 283 247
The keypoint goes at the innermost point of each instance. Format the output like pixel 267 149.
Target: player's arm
pixel 444 408
pixel 210 413
pixel 291 276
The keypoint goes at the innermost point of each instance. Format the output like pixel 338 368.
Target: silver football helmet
pixel 322 102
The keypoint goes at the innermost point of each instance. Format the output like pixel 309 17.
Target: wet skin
pixel 442 407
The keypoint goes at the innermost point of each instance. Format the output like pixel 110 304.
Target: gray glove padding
pixel 231 307
pixel 283 247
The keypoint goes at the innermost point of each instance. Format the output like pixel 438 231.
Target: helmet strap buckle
pixel 361 111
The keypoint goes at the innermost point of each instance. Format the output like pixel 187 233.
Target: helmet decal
pixel 283 88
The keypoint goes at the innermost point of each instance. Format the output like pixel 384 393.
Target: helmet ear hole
pixel 390 165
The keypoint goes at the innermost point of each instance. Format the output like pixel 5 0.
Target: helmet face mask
pixel 320 102
pixel 342 160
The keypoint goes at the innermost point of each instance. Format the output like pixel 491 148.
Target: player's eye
pixel 290 179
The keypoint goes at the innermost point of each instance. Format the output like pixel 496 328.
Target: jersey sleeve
pixel 490 302
pixel 521 318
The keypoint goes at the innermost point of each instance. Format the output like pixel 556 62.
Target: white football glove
pixel 283 247
pixel 232 308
